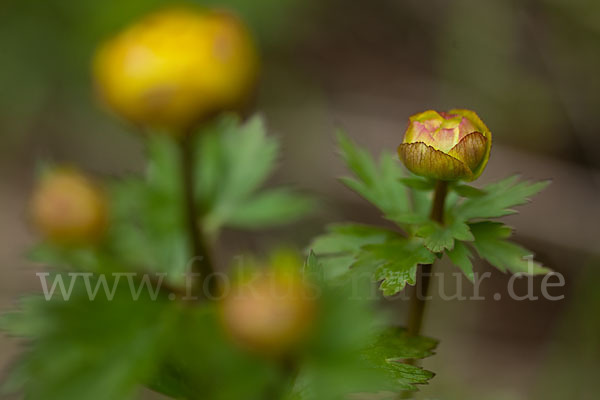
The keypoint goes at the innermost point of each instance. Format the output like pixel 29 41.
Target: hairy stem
pixel 419 295
pixel 201 261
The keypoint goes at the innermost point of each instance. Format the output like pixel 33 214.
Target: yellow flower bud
pixel 270 314
pixel 67 207
pixel 446 146
pixel 176 67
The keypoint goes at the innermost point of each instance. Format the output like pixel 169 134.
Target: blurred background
pixel 531 69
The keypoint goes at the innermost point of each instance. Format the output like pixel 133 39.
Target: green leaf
pixel 460 256
pixel 468 191
pixel 491 245
pixel 271 207
pixel 233 161
pixel 499 198
pixel 340 246
pixel 379 184
pixel 97 350
pixel 395 262
pixel 438 238
pixel 390 351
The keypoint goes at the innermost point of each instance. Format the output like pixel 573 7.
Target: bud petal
pixel 470 149
pixel 424 160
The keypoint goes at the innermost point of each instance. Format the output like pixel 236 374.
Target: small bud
pixel 67 207
pixel 448 146
pixel 270 314
pixel 176 67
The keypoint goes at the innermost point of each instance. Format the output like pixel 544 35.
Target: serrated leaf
pixel 438 238
pixel 349 238
pixel 499 198
pixel 379 184
pixel 338 248
pixel 394 262
pixel 390 351
pixel 491 245
pixel 460 256
pixel 233 162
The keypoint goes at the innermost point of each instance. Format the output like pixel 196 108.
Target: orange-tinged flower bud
pixel 271 314
pixel 68 207
pixel 176 67
pixel 447 146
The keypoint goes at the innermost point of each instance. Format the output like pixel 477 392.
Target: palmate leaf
pixel 491 245
pixel 97 350
pixel 390 351
pixel 379 184
pixel 499 198
pixel 438 238
pixel 394 262
pixel 233 162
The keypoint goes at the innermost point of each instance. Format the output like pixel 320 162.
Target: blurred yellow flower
pixel 271 313
pixel 68 207
pixel 176 67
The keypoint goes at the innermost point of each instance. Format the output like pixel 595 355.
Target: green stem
pixel 201 261
pixel 421 289
pixel 419 295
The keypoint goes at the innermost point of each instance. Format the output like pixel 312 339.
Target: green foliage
pixel 395 262
pixel 203 363
pixel 393 257
pixel 376 182
pixel 148 217
pixel 393 347
pixel 461 256
pixel 101 348
pixel 233 162
pixel 354 352
pixel 491 244
pixel 438 238
pixel 467 191
pixel 94 349
pixel 148 230
pixel 499 198
pixel 341 246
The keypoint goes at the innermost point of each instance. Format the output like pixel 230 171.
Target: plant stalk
pixel 201 260
pixel 421 289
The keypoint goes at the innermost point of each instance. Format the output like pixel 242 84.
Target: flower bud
pixel 68 208
pixel 177 67
pixel 448 146
pixel 270 314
